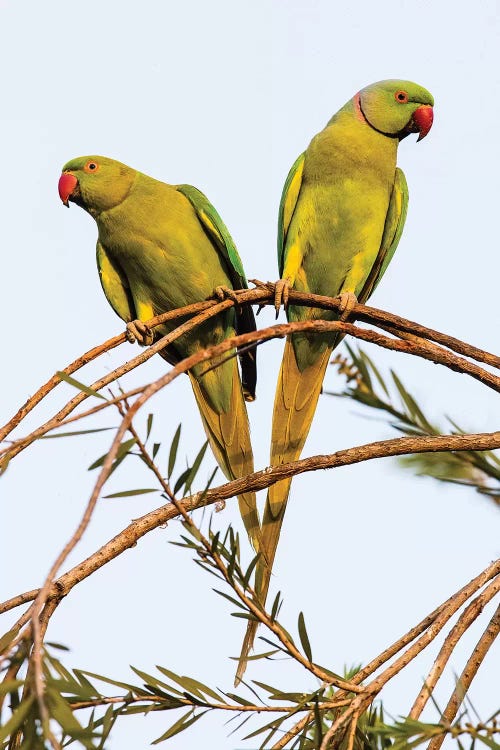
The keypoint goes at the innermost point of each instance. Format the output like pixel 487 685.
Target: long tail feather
pixel 228 433
pixel 295 402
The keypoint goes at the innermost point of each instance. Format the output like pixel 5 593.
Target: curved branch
pixel 263 295
pixel 259 480
pixel 420 348
pixel 469 672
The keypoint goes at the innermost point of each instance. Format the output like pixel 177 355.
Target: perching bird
pixel 341 215
pixel 161 247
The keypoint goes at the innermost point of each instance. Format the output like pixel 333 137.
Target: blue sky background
pixel 224 95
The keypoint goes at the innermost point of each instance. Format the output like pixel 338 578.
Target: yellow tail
pixel 228 433
pixel 295 402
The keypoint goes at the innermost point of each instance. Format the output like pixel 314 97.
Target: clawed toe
pixel 140 332
pixel 224 292
pixel 281 289
pixel 348 301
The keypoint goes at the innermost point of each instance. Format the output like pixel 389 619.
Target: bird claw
pixel 348 302
pixel 224 292
pixel 259 284
pixel 140 332
pixel 281 289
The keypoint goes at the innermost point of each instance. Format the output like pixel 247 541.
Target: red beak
pixel 423 118
pixel 67 183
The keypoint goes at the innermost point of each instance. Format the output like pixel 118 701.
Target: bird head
pixel 397 108
pixel 95 183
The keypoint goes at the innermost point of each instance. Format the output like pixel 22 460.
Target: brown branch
pixel 469 672
pixel 471 613
pixel 130 535
pixel 239 707
pixel 262 296
pixel 293 732
pixel 410 342
pixel 248 601
pixel 92 354
pixel 423 349
pixel 361 702
pixel 452 604
pixel 19 445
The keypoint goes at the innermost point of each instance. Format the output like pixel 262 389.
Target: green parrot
pixel 161 247
pixel 341 216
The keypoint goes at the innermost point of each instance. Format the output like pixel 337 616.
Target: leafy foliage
pixel 82 707
pixel 365 385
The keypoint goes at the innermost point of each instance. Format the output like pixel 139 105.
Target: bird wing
pixel 393 228
pixel 219 235
pixel 289 198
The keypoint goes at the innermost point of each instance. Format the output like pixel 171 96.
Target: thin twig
pixel 471 613
pixel 469 672
pixel 248 601
pixel 361 702
pixel 293 732
pixel 130 535
pixel 431 353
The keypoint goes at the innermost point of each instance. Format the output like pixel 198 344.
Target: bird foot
pixel 281 289
pixel 140 332
pixel 224 292
pixel 268 286
pixel 348 302
pixel 260 284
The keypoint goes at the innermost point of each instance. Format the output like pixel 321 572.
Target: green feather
pixel 341 216
pixel 161 247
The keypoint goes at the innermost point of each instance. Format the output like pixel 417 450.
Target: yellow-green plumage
pixel 341 216
pixel 161 247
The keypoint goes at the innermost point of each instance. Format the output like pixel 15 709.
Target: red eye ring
pixel 401 97
pixel 91 166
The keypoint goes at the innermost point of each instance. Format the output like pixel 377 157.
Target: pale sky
pixel 224 95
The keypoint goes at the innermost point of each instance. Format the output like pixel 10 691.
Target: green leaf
pixel 149 425
pixel 375 371
pixel 182 480
pixel 76 432
pixel 488 741
pixel 276 606
pixel 129 493
pixel 412 406
pixel 80 386
pixel 62 713
pixel 245 616
pixel 156 448
pixel 10 686
pixel 17 718
pixel 122 451
pixel 256 657
pixel 230 598
pixel 304 639
pixel 196 466
pixel 7 638
pixel 183 723
pixel 116 683
pixel 250 570
pixel 173 451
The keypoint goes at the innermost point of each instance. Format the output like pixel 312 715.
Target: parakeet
pixel 341 216
pixel 161 247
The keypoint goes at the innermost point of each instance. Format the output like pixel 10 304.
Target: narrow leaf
pixel 173 451
pixel 80 386
pixel 304 639
pixel 196 466
pixel 76 432
pixel 129 493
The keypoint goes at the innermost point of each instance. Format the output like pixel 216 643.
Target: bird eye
pixel 91 166
pixel 401 97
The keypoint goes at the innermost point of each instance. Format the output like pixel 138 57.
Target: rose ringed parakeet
pixel 341 216
pixel 161 247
